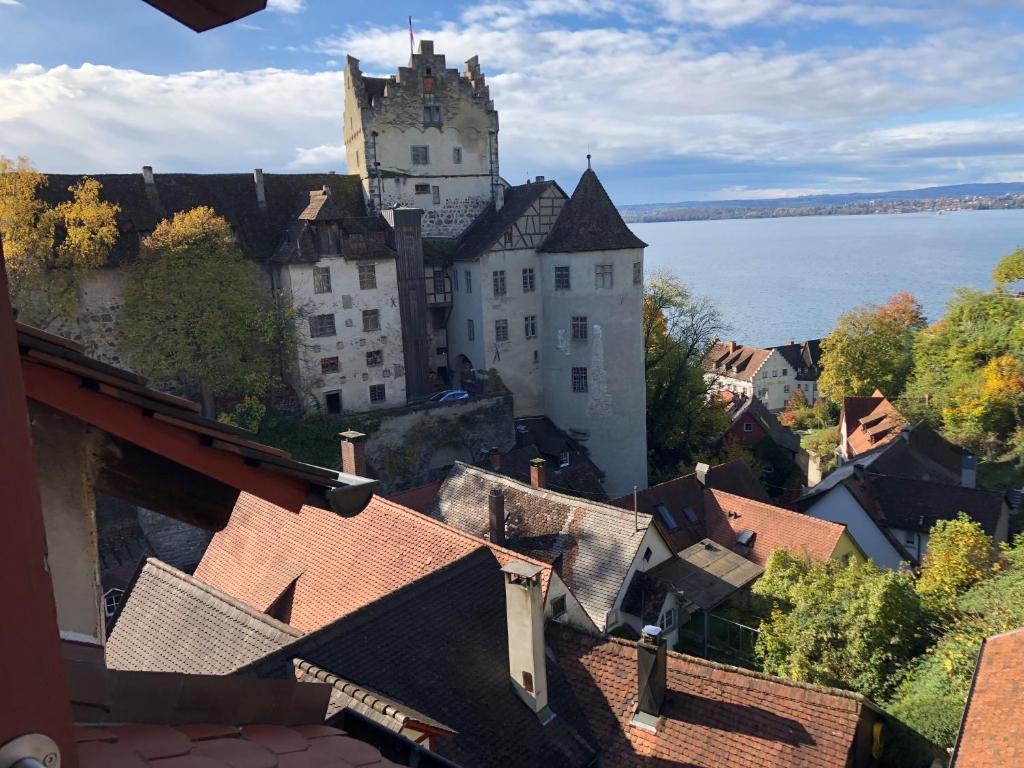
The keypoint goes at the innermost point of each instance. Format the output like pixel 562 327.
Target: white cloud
pixel 286 6
pixel 10 2
pixel 322 156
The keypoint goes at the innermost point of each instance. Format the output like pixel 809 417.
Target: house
pixel 784 463
pixel 771 374
pixel 594 548
pixel 991 735
pixel 695 506
pixel 890 516
pixel 647 706
pixel 867 423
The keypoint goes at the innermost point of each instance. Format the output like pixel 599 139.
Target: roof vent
pixel 745 538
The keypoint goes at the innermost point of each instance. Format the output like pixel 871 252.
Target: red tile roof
pixel 870 422
pixel 735 361
pixel 336 564
pixel 992 734
pixel 713 715
pixel 775 527
pixel 419 498
pixel 213 746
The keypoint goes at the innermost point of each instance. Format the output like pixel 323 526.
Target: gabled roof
pixel 590 222
pixel 735 361
pixel 713 715
pixel 741 405
pixel 870 423
pixel 590 544
pixel 490 224
pixel 804 357
pixel 172 622
pixel 440 645
pixel 332 565
pixel 916 505
pixel 992 733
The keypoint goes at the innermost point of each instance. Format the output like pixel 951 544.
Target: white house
pixel 771 374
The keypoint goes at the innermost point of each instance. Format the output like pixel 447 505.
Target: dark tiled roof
pixel 231 195
pixel 916 505
pixel 713 715
pixel 491 224
pixel 590 544
pixel 172 622
pixel 590 222
pixel 922 454
pixel 804 358
pixel 440 645
pixel 741 406
pixel 992 732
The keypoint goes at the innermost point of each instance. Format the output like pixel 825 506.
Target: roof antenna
pixel 588 161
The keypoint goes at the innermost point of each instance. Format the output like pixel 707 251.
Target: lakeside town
pixel 411 465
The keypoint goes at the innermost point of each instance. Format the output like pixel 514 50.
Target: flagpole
pixel 410 36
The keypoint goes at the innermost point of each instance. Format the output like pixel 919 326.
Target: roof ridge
pixel 577 501
pixel 774 508
pixel 223 597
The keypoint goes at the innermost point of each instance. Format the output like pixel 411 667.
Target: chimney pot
pixel 524 610
pixel 353 453
pixel 496 513
pixel 701 471
pixel 147 175
pixel 494 455
pixel 538 473
pixel 539 179
pixel 650 676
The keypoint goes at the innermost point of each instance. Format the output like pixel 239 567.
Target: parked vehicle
pixel 449 395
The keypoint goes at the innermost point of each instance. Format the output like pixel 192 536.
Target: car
pixel 448 396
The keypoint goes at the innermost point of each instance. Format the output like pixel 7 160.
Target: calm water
pixel 776 279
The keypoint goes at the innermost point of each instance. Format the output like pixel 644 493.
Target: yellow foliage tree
pixel 47 249
pixel 960 554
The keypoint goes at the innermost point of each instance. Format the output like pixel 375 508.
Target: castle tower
pixel 424 138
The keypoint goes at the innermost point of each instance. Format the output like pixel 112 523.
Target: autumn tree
pixel 49 248
pixel 852 625
pixel 871 348
pixel 195 313
pixel 679 330
pixel 960 554
pixel 1010 269
pixel 986 409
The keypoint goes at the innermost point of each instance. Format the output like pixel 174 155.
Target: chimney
pixel 353 453
pixel 499 197
pixel 701 471
pixel 968 471
pixel 539 179
pixel 261 194
pixel 496 513
pixel 538 475
pixel 650 677
pixel 494 456
pixel 147 175
pixel 524 611
pixel 732 347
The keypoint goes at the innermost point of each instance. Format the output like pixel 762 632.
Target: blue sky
pixel 676 99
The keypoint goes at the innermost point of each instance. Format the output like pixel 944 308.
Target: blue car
pixel 448 395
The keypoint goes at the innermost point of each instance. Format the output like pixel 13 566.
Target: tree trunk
pixel 206 400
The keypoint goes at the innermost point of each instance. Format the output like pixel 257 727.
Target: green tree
pixel 195 313
pixel 960 554
pixel 682 417
pixel 870 348
pixel 1010 269
pixel 49 248
pixel 852 625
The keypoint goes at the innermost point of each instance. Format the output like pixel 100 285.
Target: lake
pixel 777 279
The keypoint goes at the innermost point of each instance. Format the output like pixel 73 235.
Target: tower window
pixel 501 330
pixel 470 332
pixel 321 280
pixel 529 284
pixel 638 272
pixel 579 379
pixel 420 155
pixel 371 320
pixel 432 114
pixel 377 393
pixel 367 276
pixel 332 402
pixel 603 276
pixel 329 365
pixel 435 193
pixel 321 325
pixel 498 278
pixel 374 358
pixel 561 278
pixel 579 327
pixel 530 323
pixel 422 189
pixel 457 155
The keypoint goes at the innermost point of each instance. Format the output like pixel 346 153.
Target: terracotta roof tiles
pixel 735 361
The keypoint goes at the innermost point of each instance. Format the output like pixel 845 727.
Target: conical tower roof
pixel 590 222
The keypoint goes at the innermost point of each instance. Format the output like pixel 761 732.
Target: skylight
pixel 666 517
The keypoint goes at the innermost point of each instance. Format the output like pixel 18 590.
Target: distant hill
pixel 952 197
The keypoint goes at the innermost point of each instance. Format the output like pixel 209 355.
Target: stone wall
pixel 96 325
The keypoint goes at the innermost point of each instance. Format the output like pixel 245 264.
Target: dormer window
pixel 328 240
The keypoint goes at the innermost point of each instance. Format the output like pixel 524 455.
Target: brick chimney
pixel 732 347
pixel 650 677
pixel 353 453
pixel 494 456
pixel 538 474
pixel 261 192
pixel 496 516
pixel 524 611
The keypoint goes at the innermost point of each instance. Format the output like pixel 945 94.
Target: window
pixel 431 114
pixel 501 330
pixel 909 538
pixel 321 280
pixel 563 459
pixel 112 598
pixel 529 285
pixel 367 276
pixel 667 620
pixel 775 373
pixel 786 388
pixel 469 281
pixel 579 327
pixel 536 356
pixel 647 555
pixel 558 607
pixel 377 393
pixel 332 402
pixel 371 320
pixel 498 279
pixel 439 282
pixel 470 333
pixel 561 278
pixel 506 239
pixel 374 358
pixel 435 195
pixel 421 155
pixel 455 280
pixel 603 276
pixel 321 325
pixel 785 371
pixel 457 155
pixel 329 365
pixel 748 427
pixel 579 379
pixel 530 326
pixel 638 272
pixel 666 517
pixel 422 189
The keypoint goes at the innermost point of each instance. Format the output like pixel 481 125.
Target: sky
pixel 675 99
